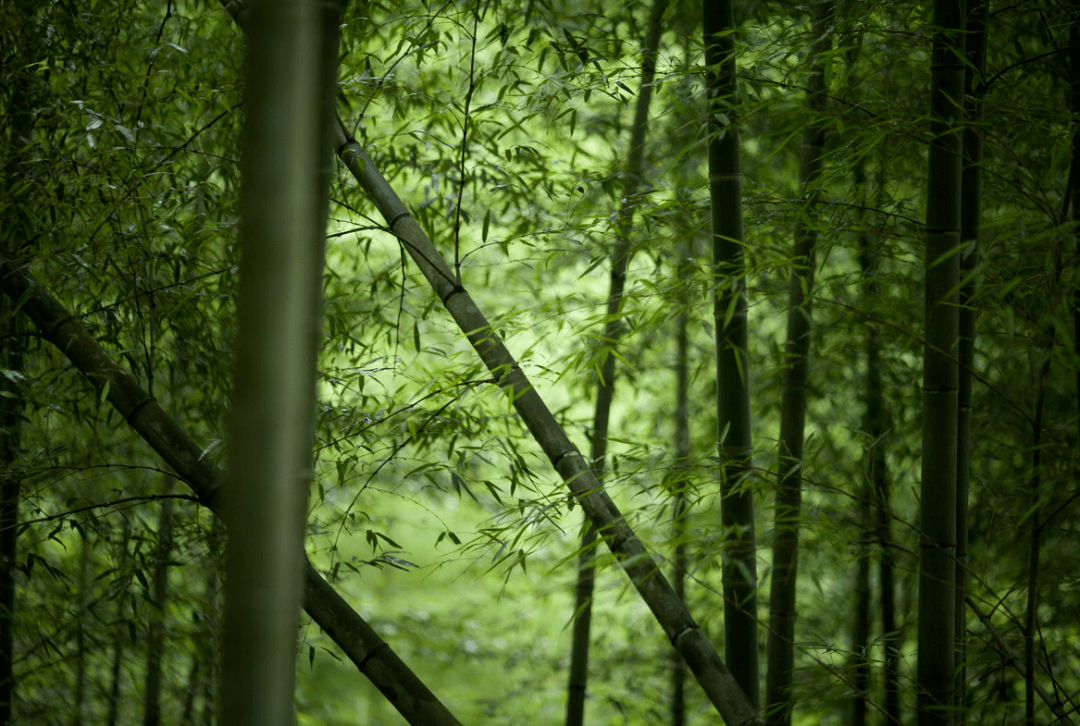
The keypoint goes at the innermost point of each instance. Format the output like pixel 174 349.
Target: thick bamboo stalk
pixel 937 565
pixel 734 439
pixel 271 418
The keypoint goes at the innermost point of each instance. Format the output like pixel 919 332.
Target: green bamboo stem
pixel 360 643
pixel 937 564
pixel 684 633
pixel 605 392
pixel 735 446
pixel 970 213
pixel 782 610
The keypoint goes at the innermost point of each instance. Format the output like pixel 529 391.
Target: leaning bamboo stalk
pixel 363 646
pixel 684 633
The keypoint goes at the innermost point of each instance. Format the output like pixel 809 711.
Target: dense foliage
pixel 505 129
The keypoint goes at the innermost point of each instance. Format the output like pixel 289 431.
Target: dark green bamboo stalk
pixel 11 415
pixel 1035 540
pixel 1074 100
pixel 613 328
pixel 27 94
pixel 782 614
pixel 937 564
pixel 860 646
pixel 155 642
pixel 79 702
pixel 877 472
pixel 11 358
pixel 119 634
pixel 861 629
pixel 683 452
pixel 890 635
pixel 732 362
pixel 970 213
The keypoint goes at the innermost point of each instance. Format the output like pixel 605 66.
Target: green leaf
pixel 214 443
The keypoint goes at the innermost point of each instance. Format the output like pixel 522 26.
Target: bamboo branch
pixel 1014 661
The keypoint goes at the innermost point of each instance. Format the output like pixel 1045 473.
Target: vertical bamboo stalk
pixel 970 213
pixel 683 452
pixel 937 564
pixel 782 612
pixel 732 362
pixel 612 334
pixel 282 210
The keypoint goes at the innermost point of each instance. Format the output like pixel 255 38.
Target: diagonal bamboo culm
pixel 681 629
pixel 363 646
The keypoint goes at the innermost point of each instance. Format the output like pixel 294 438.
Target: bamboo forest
pixel 443 362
